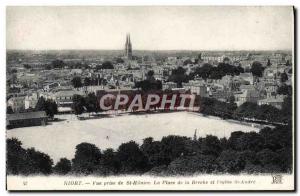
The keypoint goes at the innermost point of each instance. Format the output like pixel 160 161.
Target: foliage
pixel 210 106
pixel 285 90
pixel 132 159
pixel 148 85
pixel 105 65
pixel 211 72
pixel 58 64
pixel 257 69
pixel 49 106
pixel 268 151
pixel 76 82
pixel 22 161
pixel 78 104
pixel 63 166
pixel 179 76
pixel 87 158
pixel 283 77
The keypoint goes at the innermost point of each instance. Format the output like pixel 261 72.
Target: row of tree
pixel 269 150
pixel 59 64
pixel 250 110
pixel 207 71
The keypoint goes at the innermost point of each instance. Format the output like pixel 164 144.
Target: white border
pixel 4 3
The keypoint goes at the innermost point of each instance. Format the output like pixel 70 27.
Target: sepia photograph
pixel 152 98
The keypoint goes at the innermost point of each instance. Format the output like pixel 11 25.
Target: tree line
pixel 250 110
pixel 266 151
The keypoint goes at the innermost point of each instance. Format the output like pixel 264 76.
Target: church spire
pixel 128 47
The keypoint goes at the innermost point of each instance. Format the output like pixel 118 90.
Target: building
pixel 64 99
pixel 51 86
pixel 169 85
pixel 31 100
pixel 196 87
pixel 26 119
pixel 275 102
pixel 16 103
pixel 128 48
pixel 247 95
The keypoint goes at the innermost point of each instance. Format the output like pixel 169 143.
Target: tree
pixel 62 167
pixel 41 104
pixel 78 104
pixel 188 61
pixel 119 60
pixel 107 65
pixel 230 162
pixel 87 158
pixel 110 164
pixel 152 150
pixel 250 141
pixel 210 145
pixel 39 162
pixel 283 77
pixel 16 161
pixel 150 75
pixel 172 147
pixel 269 160
pixel 49 106
pixel 91 103
pixel 257 69
pixel 287 109
pixel 269 63
pixel 76 82
pixel 285 90
pixel 132 158
pixel 178 76
pixel 26 66
pixel 9 110
pixel 87 81
pixel 269 113
pixel 188 165
pixel 58 64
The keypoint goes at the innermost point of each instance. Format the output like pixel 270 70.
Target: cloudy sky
pixel 151 28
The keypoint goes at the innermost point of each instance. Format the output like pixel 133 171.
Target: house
pixel 64 99
pixel 196 87
pixel 273 101
pixel 247 95
pixel 50 86
pixel 26 119
pixel 16 103
pixel 31 100
pixel 169 85
pixel 247 77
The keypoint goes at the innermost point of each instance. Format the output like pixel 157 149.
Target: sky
pixel 151 28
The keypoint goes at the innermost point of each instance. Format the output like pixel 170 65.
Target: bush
pixel 16 160
pixel 132 158
pixel 152 150
pixel 269 160
pixel 62 167
pixel 87 158
pixel 193 164
pixel 230 161
pixel 25 162
pixel 109 164
pixel 210 145
pixel 172 147
pixel 39 162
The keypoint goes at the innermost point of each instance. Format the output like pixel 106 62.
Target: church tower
pixel 128 48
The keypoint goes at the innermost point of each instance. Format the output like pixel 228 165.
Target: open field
pixel 60 138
